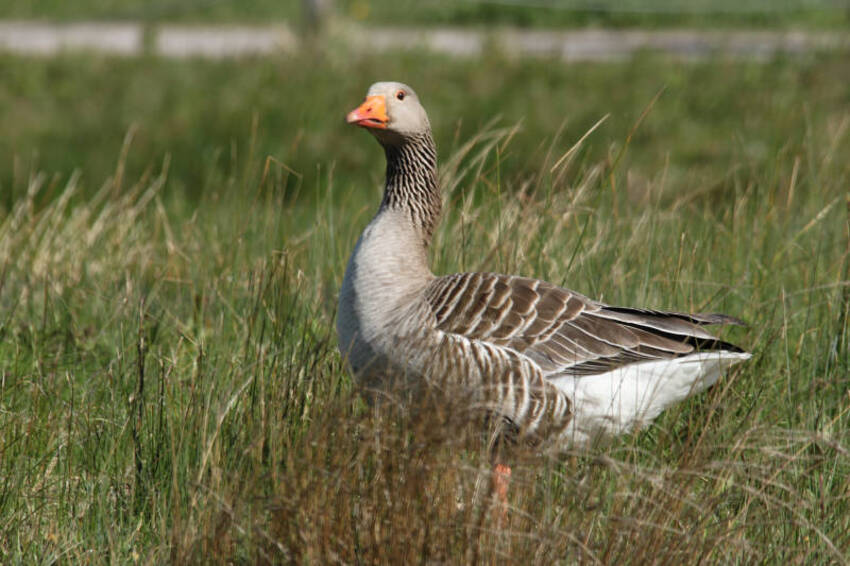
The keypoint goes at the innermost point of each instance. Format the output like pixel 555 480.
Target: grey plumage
pixel 555 363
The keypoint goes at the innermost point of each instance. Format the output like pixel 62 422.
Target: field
pixel 541 13
pixel 173 236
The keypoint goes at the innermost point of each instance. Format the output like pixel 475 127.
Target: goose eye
pixel 400 95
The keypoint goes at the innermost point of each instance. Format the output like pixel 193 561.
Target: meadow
pixel 173 236
pixel 791 14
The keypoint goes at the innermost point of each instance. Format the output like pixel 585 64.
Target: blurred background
pixel 217 86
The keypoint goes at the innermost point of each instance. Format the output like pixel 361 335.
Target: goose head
pixel 392 113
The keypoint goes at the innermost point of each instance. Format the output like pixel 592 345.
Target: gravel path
pixel 130 39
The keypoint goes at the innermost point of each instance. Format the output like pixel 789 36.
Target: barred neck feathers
pixel 411 184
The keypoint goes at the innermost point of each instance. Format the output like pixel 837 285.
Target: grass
pixel 539 14
pixel 210 118
pixel 169 383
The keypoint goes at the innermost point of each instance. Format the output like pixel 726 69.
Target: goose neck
pixel 411 184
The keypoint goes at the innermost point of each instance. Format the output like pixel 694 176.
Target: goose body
pixel 559 366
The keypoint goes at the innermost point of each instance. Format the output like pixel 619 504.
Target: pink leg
pixel 501 481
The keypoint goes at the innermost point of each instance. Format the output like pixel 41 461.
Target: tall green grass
pixel 712 120
pixel 171 388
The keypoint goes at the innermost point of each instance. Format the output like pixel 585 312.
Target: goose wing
pixel 563 332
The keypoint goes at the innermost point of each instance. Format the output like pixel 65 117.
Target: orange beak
pixel 371 114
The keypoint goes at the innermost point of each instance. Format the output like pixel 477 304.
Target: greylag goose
pixel 554 364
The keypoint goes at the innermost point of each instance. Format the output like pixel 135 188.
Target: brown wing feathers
pixel 562 331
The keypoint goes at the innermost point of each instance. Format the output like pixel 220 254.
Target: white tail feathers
pixel 626 398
